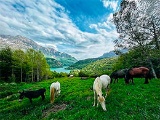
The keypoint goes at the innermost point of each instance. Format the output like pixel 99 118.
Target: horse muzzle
pixel 103 106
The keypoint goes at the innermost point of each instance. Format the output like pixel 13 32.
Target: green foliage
pixel 138 101
pixel 6 62
pixel 19 66
pixel 99 67
pixel 82 74
pixel 82 63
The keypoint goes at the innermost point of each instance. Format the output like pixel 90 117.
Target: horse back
pixel 56 85
pixel 105 80
pixel 35 94
pixel 139 71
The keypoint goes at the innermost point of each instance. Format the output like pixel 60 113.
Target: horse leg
pixel 146 80
pixel 107 90
pixel 94 98
pixel 43 97
pixel 97 102
pixel 132 80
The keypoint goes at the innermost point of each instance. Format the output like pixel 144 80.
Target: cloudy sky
pixel 81 28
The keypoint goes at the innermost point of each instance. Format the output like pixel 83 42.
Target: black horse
pixel 118 74
pixel 139 72
pixel 32 94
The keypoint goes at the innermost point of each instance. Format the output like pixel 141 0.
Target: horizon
pixel 82 29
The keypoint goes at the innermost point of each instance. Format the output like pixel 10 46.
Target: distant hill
pixel 108 55
pixel 82 63
pixel 53 63
pixel 99 67
pixel 23 43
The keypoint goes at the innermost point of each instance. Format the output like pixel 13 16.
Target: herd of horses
pixel 100 83
pixel 129 74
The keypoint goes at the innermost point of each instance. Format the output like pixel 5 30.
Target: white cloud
pixel 48 26
pixel 110 3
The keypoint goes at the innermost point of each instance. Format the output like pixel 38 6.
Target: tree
pixel 6 63
pixel 138 28
pixel 38 64
pixel 135 25
pixel 19 61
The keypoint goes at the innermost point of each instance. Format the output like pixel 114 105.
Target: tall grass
pixel 124 102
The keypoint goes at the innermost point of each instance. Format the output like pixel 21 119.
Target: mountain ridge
pixel 23 43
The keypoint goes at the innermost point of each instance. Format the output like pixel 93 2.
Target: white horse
pixel 54 91
pixel 100 83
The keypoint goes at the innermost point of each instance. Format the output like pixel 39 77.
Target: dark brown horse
pixel 32 94
pixel 139 72
pixel 118 74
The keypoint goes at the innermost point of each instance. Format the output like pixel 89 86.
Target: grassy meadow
pixel 124 102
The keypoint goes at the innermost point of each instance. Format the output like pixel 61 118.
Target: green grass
pixel 124 102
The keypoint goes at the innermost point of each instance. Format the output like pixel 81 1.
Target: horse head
pixel 101 100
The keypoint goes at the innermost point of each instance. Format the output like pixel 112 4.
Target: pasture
pixel 124 102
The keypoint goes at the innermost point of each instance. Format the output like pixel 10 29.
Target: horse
pixel 54 91
pixel 138 72
pixel 32 94
pixel 118 74
pixel 100 83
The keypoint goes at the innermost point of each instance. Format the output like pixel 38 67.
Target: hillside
pixel 82 63
pixel 23 43
pixel 124 102
pixel 102 66
pixel 53 63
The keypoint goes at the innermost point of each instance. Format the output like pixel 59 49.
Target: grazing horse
pixel 138 72
pixel 54 91
pixel 100 83
pixel 32 94
pixel 118 74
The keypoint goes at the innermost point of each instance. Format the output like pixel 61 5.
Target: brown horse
pixel 140 72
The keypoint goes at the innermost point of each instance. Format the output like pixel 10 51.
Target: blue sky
pixel 81 28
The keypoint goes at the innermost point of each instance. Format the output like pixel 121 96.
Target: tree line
pixel 20 66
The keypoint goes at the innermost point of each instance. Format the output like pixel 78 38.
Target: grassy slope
pixel 99 67
pixel 139 101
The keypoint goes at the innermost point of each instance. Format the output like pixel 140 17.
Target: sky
pixel 80 28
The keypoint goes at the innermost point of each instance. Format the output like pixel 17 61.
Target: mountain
pixel 108 55
pixel 23 43
pixel 83 63
pixel 112 54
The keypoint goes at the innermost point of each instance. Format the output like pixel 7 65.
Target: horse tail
pixel 52 94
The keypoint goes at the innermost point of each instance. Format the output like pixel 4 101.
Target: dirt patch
pixel 54 108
